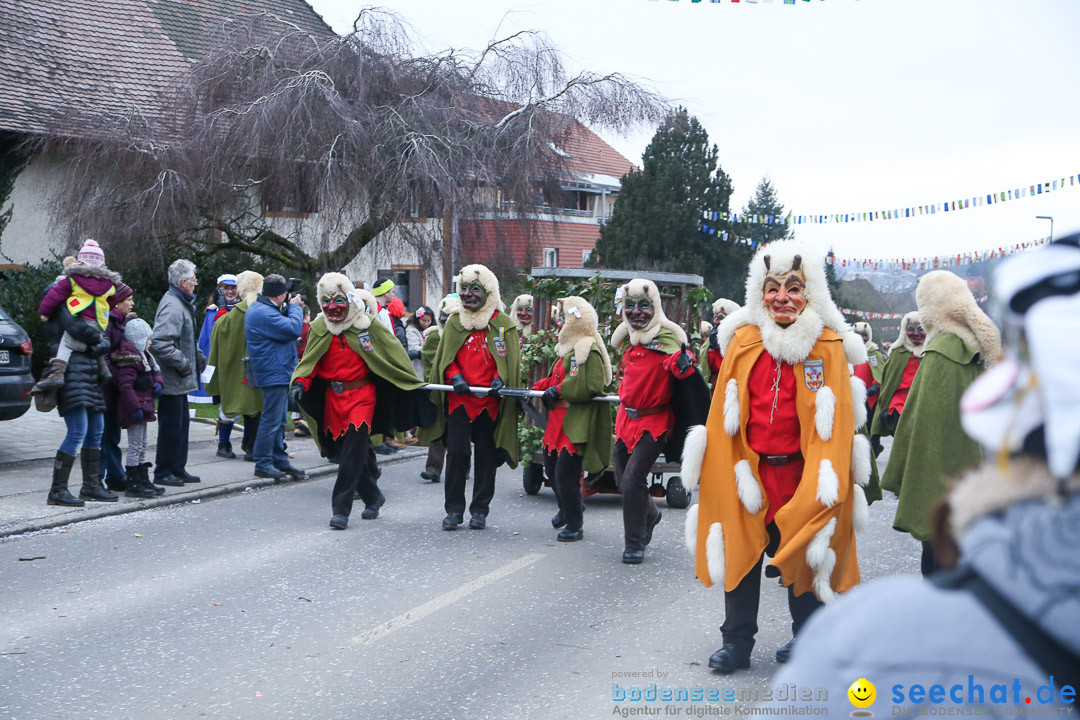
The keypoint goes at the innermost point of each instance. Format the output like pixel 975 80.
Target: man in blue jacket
pixel 272 326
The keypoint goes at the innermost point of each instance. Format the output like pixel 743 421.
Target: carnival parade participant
pixel 578 432
pixel 228 348
pixel 479 347
pixel 436 456
pixel 931 446
pixel 355 379
pixel 653 405
pixel 712 354
pixel 521 312
pixel 781 469
pixel 1008 614
pixel 870 372
pixel 902 364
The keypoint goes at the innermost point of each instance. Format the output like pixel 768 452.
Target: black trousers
pixel 632 471
pixel 461 434
pixel 251 429
pixel 357 473
pixel 565 473
pixel 436 456
pixel 741 604
pixel 173 422
pixel 929 563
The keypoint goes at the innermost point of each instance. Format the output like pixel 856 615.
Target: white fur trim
pixel 697 438
pixel 747 486
pixel 430 329
pixel 580 331
pixel 854 348
pixel 946 305
pixel 822 559
pixel 858 401
pixel 793 343
pixel 902 339
pixel 638 288
pixel 248 285
pixel 723 305
pixel 714 554
pixel 860 460
pixel 828 484
pixel 860 511
pixel 690 530
pixel 729 326
pixel 519 302
pixel 824 412
pixel 479 319
pixel 865 327
pixel 731 408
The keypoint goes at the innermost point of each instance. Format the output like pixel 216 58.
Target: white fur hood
pixel 639 288
pixel 793 343
pixel 946 305
pixel 362 304
pixel 580 331
pixel 903 341
pixel 479 319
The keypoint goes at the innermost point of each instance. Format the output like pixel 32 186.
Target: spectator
pixel 390 313
pixel 272 326
pixel 112 466
pixel 173 345
pixel 138 383
pixel 420 321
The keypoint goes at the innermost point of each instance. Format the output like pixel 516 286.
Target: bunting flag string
pixel 749 2
pixel 937 262
pixel 966 203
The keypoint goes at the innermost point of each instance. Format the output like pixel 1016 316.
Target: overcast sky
pixel 848 105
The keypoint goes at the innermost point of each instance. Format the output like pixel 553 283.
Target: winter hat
pixel 123 291
pixel 137 331
pixel 382 288
pixel 274 285
pixel 396 308
pixel 91 254
pixel 226 279
pixel 68 261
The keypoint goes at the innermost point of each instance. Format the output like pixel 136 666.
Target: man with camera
pixel 271 326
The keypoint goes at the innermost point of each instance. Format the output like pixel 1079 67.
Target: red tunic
pixel 864 373
pixel 354 407
pixel 773 428
pixel 715 358
pixel 555 439
pixel 475 363
pixel 646 383
pixel 900 396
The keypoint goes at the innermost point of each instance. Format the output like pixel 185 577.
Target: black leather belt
pixel 781 460
pixel 635 413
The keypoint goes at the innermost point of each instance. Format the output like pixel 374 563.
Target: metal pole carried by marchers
pixel 511 392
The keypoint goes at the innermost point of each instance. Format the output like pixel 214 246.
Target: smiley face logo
pixel 862 693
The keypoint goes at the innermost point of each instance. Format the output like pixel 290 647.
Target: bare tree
pixel 363 129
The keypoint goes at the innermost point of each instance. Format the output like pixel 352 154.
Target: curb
pixel 106 510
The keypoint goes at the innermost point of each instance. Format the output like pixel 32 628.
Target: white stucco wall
pixel 32 236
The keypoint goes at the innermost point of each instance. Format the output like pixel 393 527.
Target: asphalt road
pixel 249 606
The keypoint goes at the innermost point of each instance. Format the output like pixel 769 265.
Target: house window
pixel 296 196
pixel 551 257
pixel 586 257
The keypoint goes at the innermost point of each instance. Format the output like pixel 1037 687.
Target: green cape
pixel 228 348
pixel 427 356
pixel 587 423
pixel 508 367
pixel 891 377
pixel 931 448
pixel 399 403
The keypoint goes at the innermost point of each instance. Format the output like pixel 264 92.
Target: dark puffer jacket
pixel 82 381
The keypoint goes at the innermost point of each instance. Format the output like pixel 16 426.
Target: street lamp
pixel 1047 217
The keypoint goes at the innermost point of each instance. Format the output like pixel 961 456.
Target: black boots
pixel 139 485
pixel 58 493
pixel 92 489
pixel 730 658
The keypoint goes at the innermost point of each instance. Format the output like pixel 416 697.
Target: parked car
pixel 15 377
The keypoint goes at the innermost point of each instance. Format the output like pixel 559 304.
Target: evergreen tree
pixel 656 223
pixel 763 204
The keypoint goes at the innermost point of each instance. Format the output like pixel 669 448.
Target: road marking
pixel 421 611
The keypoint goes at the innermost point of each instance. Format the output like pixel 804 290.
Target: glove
pixel 136 416
pixel 496 385
pixel 684 362
pixel 158 387
pixel 414 354
pixel 873 390
pixel 296 394
pixel 550 396
pixel 460 386
pixel 714 340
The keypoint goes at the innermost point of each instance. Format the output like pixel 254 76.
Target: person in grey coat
pixel 999 629
pixel 174 345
